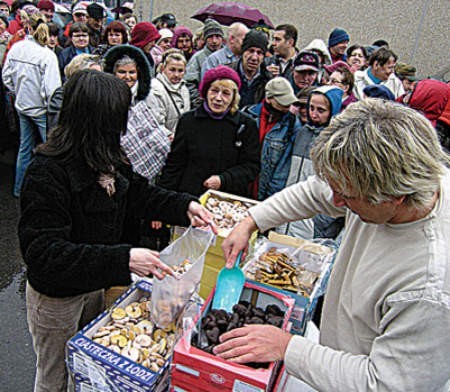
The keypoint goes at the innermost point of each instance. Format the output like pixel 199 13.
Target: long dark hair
pixel 93 116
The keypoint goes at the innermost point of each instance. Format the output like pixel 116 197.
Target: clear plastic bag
pixel 170 295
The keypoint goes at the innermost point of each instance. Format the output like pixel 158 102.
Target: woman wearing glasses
pixel 342 77
pixel 79 43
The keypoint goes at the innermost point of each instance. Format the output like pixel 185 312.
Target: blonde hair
pixel 82 61
pixel 171 54
pixel 41 32
pixel 381 150
pixel 228 83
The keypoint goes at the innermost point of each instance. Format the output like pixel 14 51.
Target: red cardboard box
pixel 196 370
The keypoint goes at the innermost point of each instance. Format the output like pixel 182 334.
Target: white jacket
pixel 31 72
pixel 167 96
pixel 386 317
pixel 362 80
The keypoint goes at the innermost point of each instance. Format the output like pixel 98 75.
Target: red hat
pixel 332 67
pixel 143 33
pixel 218 73
pixel 46 5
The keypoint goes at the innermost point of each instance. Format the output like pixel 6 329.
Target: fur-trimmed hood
pixel 143 66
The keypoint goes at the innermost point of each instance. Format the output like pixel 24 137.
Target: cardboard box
pixel 214 259
pixel 304 306
pixel 95 365
pixel 196 370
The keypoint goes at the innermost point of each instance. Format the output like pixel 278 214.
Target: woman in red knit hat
pixel 215 146
pixel 144 36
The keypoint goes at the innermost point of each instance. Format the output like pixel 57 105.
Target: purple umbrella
pixel 229 12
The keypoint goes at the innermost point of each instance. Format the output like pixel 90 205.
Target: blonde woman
pixel 215 146
pixel 31 73
pixel 82 61
pixel 170 89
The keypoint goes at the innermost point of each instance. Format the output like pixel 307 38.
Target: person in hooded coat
pixel 130 64
pixel 430 97
pixel 323 104
pixel 140 89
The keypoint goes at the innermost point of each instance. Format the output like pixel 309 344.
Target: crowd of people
pixel 318 132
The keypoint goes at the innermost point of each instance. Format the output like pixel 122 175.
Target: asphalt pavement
pixel 17 359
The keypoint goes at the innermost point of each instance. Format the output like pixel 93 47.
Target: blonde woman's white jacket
pixel 31 73
pixel 168 95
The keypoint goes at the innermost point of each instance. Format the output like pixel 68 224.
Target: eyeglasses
pixel 335 81
pixel 80 35
pixel 80 15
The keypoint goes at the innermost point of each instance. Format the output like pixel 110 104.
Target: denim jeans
pixel 52 322
pixel 33 130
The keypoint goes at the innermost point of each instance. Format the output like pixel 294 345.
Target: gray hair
pixel 381 150
pixel 125 60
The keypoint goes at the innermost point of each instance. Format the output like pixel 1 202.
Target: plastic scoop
pixel 229 285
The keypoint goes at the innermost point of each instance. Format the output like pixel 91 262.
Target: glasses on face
pixel 335 81
pixel 80 36
pixel 80 15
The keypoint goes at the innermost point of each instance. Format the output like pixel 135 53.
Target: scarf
pixel 213 115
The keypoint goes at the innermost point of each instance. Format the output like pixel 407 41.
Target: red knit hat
pixel 46 5
pixel 143 33
pixel 218 73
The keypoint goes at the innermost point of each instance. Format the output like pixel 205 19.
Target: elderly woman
pixel 342 77
pixel 116 33
pixel 130 64
pixel 169 89
pixel 215 145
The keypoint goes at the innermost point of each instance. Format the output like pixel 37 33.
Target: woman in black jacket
pixel 81 207
pixel 215 146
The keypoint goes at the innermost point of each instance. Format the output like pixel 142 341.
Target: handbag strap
pixel 171 98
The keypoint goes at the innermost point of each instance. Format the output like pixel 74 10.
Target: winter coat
pixel 74 238
pixel 362 79
pixel 173 100
pixel 430 98
pixel 301 165
pixel 348 100
pixel 253 92
pixel 276 151
pixel 142 65
pixel 31 73
pixel 204 147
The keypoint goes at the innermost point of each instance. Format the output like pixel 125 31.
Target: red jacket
pixel 430 97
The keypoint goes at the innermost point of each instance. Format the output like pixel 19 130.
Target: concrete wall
pixel 417 30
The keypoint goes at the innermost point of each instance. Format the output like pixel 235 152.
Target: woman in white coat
pixel 170 90
pixel 31 73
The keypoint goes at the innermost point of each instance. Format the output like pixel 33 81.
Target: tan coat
pixel 168 95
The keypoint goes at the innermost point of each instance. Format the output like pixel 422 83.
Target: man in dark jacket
pixel 251 68
pixel 96 17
